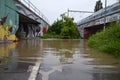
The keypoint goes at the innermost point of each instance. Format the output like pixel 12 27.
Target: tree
pixel 65 27
pixel 69 30
pixel 98 6
pixel 56 27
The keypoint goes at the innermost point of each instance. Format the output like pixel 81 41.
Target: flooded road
pixel 60 60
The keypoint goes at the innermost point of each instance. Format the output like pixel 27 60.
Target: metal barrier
pixel 34 9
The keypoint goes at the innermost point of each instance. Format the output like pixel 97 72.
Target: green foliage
pixel 52 35
pixel 98 6
pixel 64 28
pixel 107 41
pixel 56 27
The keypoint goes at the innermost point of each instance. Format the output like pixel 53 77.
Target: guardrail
pixel 28 4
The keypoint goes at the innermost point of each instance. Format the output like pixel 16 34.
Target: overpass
pixel 31 20
pixel 24 18
pixel 95 22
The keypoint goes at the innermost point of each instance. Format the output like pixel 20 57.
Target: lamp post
pixel 105 14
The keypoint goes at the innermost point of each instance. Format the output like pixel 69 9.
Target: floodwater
pixel 60 60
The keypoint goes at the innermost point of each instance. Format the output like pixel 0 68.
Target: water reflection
pixel 8 56
pixel 17 57
pixel 76 62
pixel 27 48
pixel 61 60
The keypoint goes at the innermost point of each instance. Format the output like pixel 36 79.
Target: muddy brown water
pixel 60 60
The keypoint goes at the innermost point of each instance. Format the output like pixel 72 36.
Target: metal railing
pixel 28 4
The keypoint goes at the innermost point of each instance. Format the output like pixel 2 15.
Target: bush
pixel 48 35
pixel 107 41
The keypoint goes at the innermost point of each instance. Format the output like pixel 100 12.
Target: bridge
pixel 31 20
pixel 26 20
pixel 96 22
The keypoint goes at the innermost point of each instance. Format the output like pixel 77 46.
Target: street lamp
pixel 105 14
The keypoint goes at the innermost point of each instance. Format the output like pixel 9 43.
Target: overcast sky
pixel 53 8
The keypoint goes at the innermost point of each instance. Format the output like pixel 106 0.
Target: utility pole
pixel 68 12
pixel 105 15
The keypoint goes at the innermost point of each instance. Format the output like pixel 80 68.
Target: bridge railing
pixel 34 9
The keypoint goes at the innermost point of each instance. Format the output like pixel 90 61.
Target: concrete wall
pixel 8 9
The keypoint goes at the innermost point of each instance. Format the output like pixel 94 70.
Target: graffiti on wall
pixel 5 33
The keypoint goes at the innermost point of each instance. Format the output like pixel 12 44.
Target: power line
pixel 76 11
pixel 80 11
